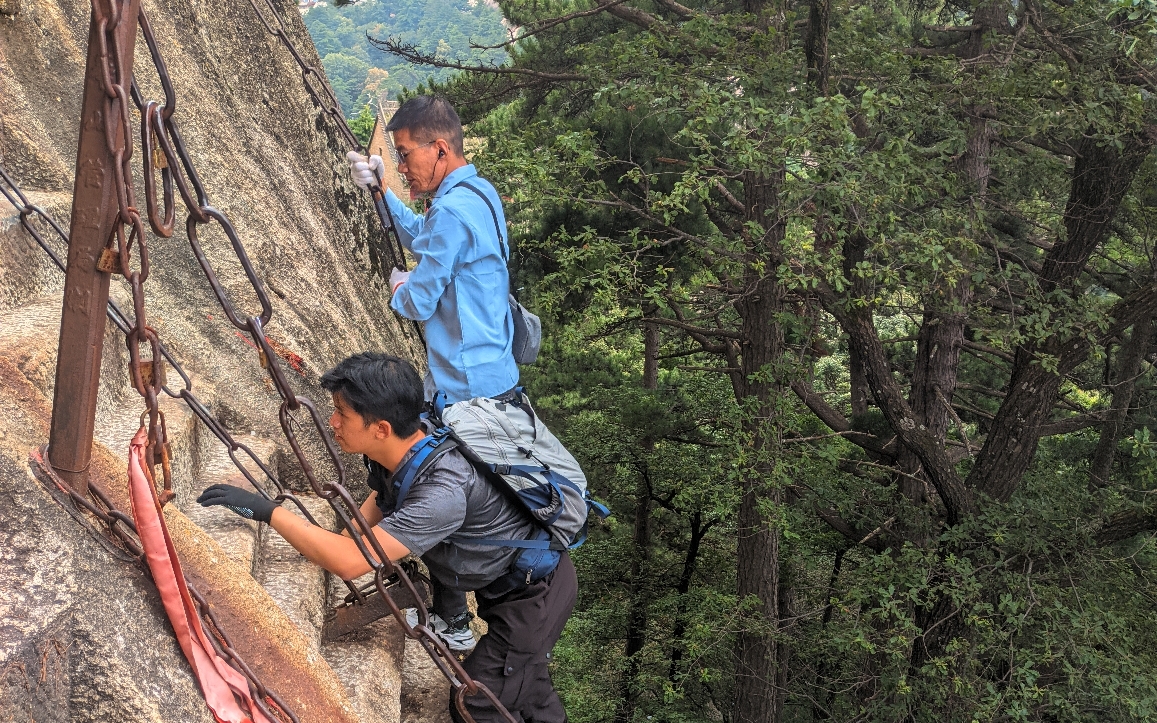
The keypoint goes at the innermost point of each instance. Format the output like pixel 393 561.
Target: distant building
pixel 382 144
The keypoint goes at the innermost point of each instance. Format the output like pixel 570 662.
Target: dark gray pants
pixel 512 658
pixel 448 602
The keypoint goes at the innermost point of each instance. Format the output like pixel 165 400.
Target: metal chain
pixel 146 374
pixel 161 121
pixel 121 525
pixel 117 522
pixel 125 532
pixel 159 131
pixel 326 101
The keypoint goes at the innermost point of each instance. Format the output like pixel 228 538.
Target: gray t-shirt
pixel 452 498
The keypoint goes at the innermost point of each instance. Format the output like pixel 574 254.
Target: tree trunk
pixel 1101 176
pixel 816 44
pixel 824 694
pixel 757 697
pixel 641 539
pixel 1128 369
pixel 698 531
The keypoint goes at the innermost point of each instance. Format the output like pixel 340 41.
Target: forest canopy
pixel 358 71
pixel 850 314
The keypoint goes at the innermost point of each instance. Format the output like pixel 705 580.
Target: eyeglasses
pixel 400 158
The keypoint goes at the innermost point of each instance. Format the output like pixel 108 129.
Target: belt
pixel 508 396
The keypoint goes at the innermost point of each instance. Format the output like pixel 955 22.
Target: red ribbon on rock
pixel 221 684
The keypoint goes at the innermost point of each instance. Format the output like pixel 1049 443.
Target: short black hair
pixel 428 118
pixel 379 387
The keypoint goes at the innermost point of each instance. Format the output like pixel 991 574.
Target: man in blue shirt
pixel 459 289
pixel 460 284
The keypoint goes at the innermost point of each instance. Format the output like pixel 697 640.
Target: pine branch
pixel 410 53
pixel 539 26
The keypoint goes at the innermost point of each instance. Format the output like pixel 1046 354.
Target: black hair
pixel 428 118
pixel 379 387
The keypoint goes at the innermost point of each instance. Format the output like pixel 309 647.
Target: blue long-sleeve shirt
pixel 459 288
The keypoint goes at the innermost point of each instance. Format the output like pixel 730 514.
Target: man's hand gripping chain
pixel 365 170
pixel 366 173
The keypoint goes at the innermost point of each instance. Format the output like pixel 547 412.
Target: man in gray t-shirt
pixel 445 514
pixel 452 498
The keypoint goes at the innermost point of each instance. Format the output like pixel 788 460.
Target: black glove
pixel 249 505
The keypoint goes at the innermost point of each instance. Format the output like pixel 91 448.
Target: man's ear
pixel 382 429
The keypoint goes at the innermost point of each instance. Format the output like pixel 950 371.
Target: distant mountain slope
pixel 359 71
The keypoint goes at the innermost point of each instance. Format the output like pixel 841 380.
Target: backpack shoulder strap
pixel 429 450
pixel 493 214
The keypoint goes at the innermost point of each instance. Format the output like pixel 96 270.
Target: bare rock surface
pixel 425 691
pixel 83 636
pixel 78 623
pixel 295 583
pixel 369 663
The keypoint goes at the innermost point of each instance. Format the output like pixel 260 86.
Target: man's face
pixel 419 162
pixel 349 428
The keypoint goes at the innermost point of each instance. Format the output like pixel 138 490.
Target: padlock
pixel 145 367
pixel 109 261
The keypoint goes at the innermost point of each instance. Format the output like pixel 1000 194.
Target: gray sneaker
pixel 457 635
pixel 436 623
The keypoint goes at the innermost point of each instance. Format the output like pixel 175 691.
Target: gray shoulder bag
pixel 527 326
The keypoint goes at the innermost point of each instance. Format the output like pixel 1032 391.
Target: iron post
pixel 94 213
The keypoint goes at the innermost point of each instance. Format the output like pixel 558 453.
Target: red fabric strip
pixel 221 684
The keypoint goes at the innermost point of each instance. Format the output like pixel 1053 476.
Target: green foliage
pixel 363 125
pixel 446 27
pixel 347 75
pixel 689 168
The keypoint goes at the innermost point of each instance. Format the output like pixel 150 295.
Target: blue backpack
pixel 511 447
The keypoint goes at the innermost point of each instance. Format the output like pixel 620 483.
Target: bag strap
pixel 493 215
pixel 428 450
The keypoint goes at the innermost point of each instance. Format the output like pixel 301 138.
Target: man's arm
pixel 369 510
pixel 336 553
pixel 407 223
pixel 443 237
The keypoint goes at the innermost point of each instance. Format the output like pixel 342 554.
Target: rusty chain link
pixel 125 532
pixel 326 101
pixel 147 375
pixel 164 149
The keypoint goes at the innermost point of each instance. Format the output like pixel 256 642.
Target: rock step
pixel 29 339
pixel 236 535
pixel 425 691
pixel 368 661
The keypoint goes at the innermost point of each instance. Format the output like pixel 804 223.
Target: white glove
pixel 362 168
pixel 397 278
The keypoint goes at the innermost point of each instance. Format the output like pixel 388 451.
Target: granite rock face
pixel 82 633
pixel 76 634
